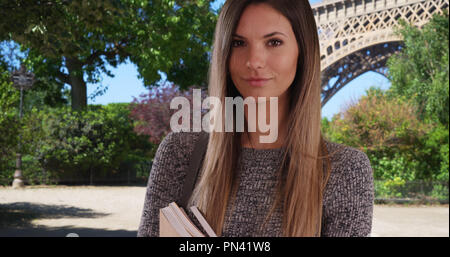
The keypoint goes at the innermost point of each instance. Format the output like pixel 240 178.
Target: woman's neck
pixel 253 139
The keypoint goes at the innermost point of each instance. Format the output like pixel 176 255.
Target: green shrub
pixel 440 192
pixel 95 142
pixel 408 156
pixel 34 173
pixel 390 188
pixel 392 167
pixel 388 131
pixel 61 144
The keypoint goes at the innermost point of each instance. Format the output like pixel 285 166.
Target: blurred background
pixel 85 90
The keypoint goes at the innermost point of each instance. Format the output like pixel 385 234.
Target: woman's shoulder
pixel 182 139
pixel 173 156
pixel 348 160
pixel 349 195
pixel 179 144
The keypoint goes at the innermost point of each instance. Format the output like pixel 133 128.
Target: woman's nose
pixel 256 58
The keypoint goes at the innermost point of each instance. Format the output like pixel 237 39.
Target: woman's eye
pixel 236 43
pixel 272 42
pixel 275 42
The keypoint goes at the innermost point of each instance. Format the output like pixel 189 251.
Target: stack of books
pixel 174 222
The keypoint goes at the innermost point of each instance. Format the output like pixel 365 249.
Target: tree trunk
pixel 77 83
pixel 91 176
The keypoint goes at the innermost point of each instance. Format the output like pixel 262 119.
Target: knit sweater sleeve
pixel 165 180
pixel 350 196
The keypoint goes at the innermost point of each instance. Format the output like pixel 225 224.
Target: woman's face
pixel 263 47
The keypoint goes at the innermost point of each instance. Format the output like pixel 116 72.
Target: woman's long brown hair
pixel 304 172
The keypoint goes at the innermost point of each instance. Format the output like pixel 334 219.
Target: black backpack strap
pixel 193 169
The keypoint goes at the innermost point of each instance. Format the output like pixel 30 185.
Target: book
pixel 174 222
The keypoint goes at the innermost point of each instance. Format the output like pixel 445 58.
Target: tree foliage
pixel 9 100
pixel 377 121
pixel 421 71
pixel 152 111
pixel 404 130
pixel 71 42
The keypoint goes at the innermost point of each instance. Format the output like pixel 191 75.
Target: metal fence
pixel 411 191
pixel 385 190
pixel 133 173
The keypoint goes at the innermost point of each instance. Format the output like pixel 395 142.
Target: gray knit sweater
pixel 347 202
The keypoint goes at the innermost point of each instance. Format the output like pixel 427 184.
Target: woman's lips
pixel 257 82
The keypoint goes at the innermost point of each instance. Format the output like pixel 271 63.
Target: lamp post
pixel 22 80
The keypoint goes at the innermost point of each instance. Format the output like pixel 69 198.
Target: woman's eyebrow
pixel 266 36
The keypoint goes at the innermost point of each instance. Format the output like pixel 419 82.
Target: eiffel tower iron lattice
pixel 357 36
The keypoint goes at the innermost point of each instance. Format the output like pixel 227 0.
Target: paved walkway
pixel 116 211
pixel 412 221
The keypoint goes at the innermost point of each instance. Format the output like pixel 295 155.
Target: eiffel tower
pixel 357 36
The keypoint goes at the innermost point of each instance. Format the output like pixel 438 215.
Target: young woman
pixel 298 185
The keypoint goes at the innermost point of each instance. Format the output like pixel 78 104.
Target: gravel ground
pixel 116 211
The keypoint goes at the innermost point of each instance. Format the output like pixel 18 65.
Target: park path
pixel 410 221
pixel 116 211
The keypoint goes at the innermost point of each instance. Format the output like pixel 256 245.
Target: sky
pixel 125 86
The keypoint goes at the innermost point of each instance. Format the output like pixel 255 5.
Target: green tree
pixel 9 96
pixel 71 42
pixel 421 71
pixel 45 91
pixel 9 99
pixel 388 130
